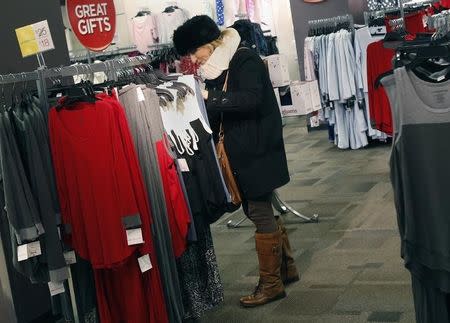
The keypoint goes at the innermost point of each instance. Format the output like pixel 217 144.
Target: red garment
pixel 414 23
pixel 379 61
pixel 93 181
pixel 99 182
pixel 445 3
pixel 177 209
pixel 187 66
pixel 121 295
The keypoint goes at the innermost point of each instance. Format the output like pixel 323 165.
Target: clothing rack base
pixel 282 207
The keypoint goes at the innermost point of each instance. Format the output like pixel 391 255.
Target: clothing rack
pixel 397 24
pixel 43 73
pixel 374 14
pixel 86 56
pixel 40 76
pixel 329 25
pixel 441 23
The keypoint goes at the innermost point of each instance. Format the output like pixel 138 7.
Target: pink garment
pixel 250 7
pixel 231 9
pixel 243 7
pixel 144 32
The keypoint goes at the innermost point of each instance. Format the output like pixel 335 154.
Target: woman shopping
pixel 241 101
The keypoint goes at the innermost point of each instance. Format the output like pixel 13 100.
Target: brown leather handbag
pixel 227 172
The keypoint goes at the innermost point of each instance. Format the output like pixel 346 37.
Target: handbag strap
pixel 224 89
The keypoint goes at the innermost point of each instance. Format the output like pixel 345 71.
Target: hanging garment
pixel 309 59
pixel 204 181
pixel 207 9
pixel 41 189
pixel 113 285
pixel 21 209
pixel 363 39
pixel 141 119
pixel 381 4
pixel 101 191
pixel 379 61
pixel 220 12
pixel 178 212
pixel 231 9
pixel 202 289
pixel 167 22
pixel 145 32
pixel 199 274
pixel 421 116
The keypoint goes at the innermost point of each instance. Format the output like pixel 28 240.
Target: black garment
pixel 52 251
pixel 204 186
pixel 197 268
pixel 252 36
pixel 252 125
pixel 431 304
pixel 272 48
pixel 202 288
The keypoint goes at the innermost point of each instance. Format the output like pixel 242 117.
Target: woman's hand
pixel 205 94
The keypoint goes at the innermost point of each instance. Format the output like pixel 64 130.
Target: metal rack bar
pixel 283 208
pixel 44 73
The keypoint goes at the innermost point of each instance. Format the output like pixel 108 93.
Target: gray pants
pixel 260 212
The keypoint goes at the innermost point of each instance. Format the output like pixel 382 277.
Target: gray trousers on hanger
pixel 141 119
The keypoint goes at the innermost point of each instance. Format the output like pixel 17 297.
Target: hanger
pixel 142 13
pixel 170 9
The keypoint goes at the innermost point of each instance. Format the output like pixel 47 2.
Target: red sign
pixel 93 22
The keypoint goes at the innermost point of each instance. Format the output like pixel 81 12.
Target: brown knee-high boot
pixel 289 272
pixel 270 286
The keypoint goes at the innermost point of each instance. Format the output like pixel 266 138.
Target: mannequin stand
pixel 281 207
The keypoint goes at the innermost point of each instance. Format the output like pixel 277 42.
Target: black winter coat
pixel 252 124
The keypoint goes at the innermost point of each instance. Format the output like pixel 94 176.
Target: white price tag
pixel 34 249
pixel 140 94
pixel 315 122
pixel 22 252
pixel 56 288
pixel 35 38
pixel 182 163
pixel 28 250
pixel 43 36
pixel 70 257
pixel 144 263
pixel 134 236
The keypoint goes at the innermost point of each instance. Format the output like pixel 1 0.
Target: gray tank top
pixel 420 173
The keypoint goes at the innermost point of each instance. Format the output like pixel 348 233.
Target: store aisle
pixel 350 261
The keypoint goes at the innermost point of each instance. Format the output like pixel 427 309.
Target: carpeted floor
pixel 350 261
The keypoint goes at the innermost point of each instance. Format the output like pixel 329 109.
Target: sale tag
pixel 140 94
pixel 144 263
pixel 56 288
pixel 34 249
pixel 70 257
pixel 314 121
pixel 28 250
pixel 35 38
pixel 22 252
pixel 182 163
pixel 134 236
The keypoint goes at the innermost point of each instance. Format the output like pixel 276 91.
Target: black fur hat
pixel 194 33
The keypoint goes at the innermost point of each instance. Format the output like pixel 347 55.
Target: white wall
pixel 127 9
